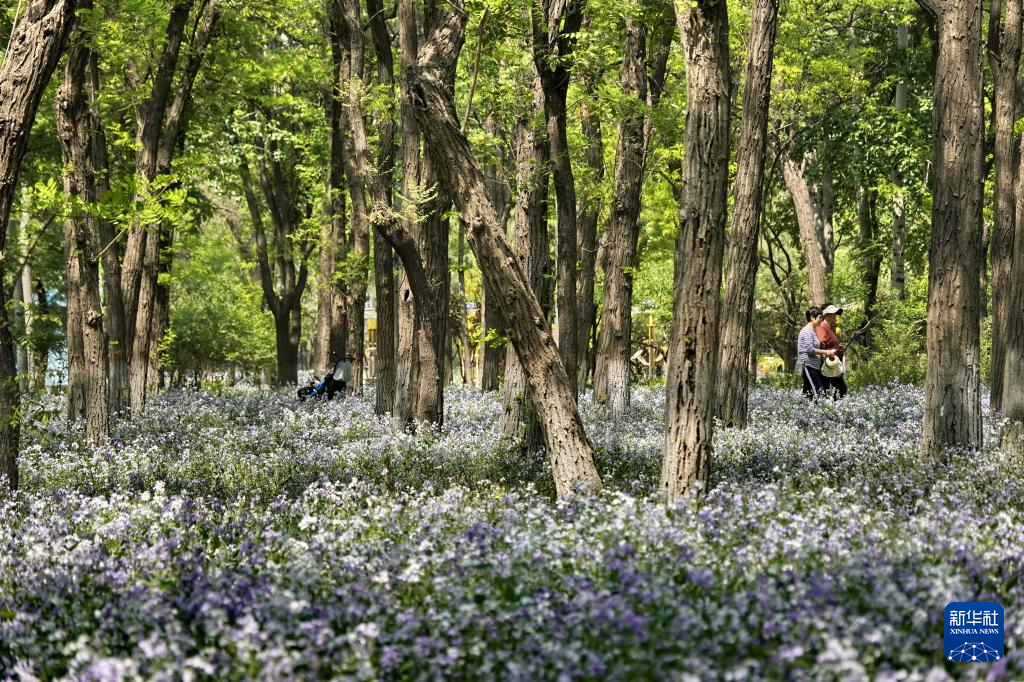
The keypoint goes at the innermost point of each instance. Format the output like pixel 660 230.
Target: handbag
pixel 832 367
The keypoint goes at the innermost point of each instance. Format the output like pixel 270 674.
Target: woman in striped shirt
pixel 808 349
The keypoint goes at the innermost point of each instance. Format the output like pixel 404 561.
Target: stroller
pixel 332 384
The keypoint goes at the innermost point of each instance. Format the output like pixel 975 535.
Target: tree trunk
pixel 118 389
pixel 531 229
pixel 870 257
pixel 693 351
pixel 76 126
pixel 280 195
pixel 811 216
pixel 142 250
pixel 161 120
pixel 35 46
pixel 952 409
pixel 1004 59
pixel 332 249
pixel 404 356
pixel 490 350
pixel 586 235
pixel 611 385
pixel 357 268
pixel 383 255
pixel 553 37
pixel 899 213
pixel 1013 364
pixel 23 295
pixel 748 199
pixel 287 347
pixel 554 397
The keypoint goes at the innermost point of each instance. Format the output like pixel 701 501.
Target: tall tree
pixel 642 78
pixel 898 275
pixel 1004 48
pixel 530 216
pixel 693 349
pixel 160 119
pixel 1013 365
pixel 383 254
pixel 555 26
pixel 952 407
pixel 611 376
pixel 813 202
pixel 424 254
pixel 586 225
pixel 738 305
pixel 36 44
pixel 77 128
pixel 331 327
pixel 287 205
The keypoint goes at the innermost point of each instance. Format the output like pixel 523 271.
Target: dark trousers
pixel 814 386
pixel 837 384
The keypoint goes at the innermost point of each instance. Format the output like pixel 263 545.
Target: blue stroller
pixel 335 382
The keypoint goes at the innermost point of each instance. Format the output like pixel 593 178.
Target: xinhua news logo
pixel 974 632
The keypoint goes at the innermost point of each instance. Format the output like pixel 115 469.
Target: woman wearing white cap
pixel 829 340
pixel 808 349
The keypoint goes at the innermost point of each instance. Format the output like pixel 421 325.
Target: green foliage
pixel 217 317
pixel 897 337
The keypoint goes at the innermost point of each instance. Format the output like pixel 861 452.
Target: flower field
pixel 244 536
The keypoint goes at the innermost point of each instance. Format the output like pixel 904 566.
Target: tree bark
pixel 1013 363
pixel 899 213
pixel 814 222
pixel 490 348
pixel 952 409
pixel 554 36
pixel 553 393
pixel 611 384
pixel 1004 59
pixel 693 350
pixel 35 46
pixel 383 254
pixel 161 118
pixel 870 257
pixel 76 126
pixel 748 199
pixel 329 328
pixel 586 230
pixel 531 229
pixel 421 253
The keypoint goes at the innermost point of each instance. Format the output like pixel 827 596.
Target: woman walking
pixel 809 351
pixel 829 340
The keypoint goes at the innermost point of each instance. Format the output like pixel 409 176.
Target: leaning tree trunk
pixel 553 392
pixel 620 241
pixel 35 45
pixel 76 128
pixel 1004 57
pixel 810 221
pixel 748 194
pixel 952 403
pixel 693 350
